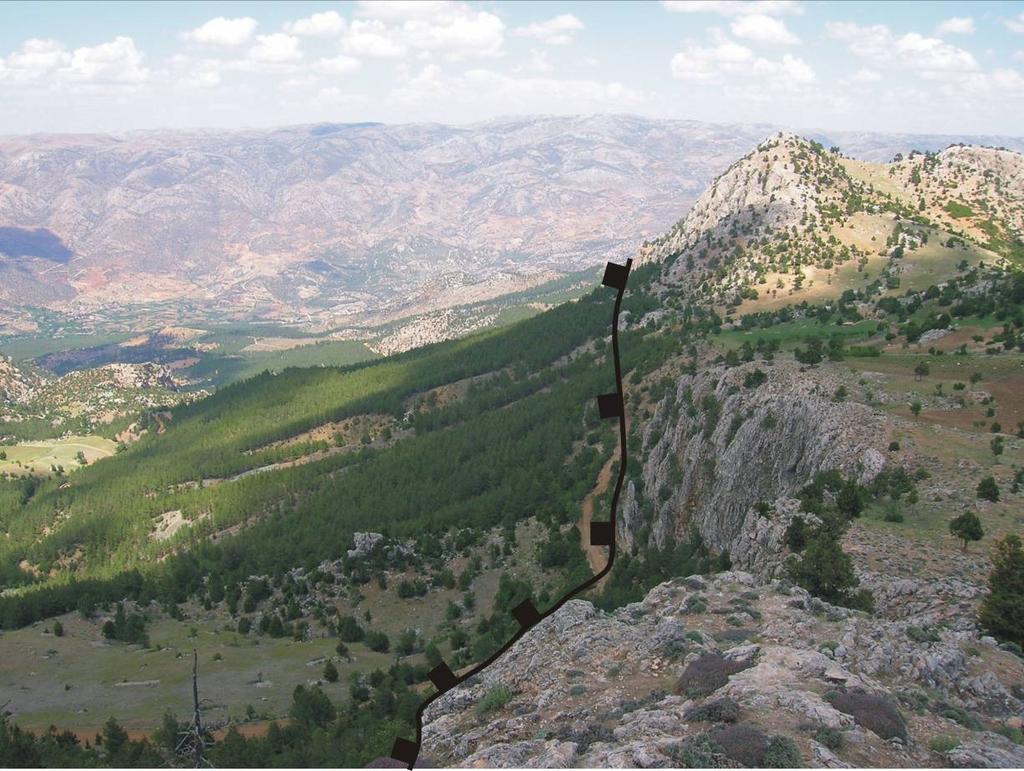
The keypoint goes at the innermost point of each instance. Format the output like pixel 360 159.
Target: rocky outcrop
pixel 591 689
pixel 16 385
pixel 715 451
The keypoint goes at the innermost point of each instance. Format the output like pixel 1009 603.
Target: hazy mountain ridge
pixel 334 224
pixel 361 220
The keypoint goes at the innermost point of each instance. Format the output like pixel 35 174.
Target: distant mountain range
pixel 334 225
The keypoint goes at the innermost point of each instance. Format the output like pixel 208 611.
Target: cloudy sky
pixel 915 67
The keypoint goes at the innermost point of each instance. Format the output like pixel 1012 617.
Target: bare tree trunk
pixel 197 715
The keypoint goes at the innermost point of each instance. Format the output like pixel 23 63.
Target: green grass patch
pixel 958 209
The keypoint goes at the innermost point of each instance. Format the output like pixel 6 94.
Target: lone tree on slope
pixel 966 527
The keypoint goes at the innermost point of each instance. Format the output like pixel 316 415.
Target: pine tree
pixel 330 672
pixel 988 490
pixel 1002 612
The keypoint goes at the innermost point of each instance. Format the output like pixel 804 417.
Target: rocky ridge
pixel 96 395
pixel 648 685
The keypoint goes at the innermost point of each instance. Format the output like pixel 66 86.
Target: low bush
pixel 707 674
pixel 782 752
pixel 698 752
pixel 960 715
pixel 496 698
pixel 943 743
pixel 832 738
pixel 723 710
pixel 742 743
pixel 876 713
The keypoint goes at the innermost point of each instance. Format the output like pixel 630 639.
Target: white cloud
pixel 400 10
pixel 277 48
pixel 38 54
pixel 466 33
pixel 332 96
pixel 118 62
pixel 954 71
pixel 115 63
pixel 733 7
pixel 716 63
pixel 928 56
pixel 1016 24
pixel 1018 56
pixel 704 64
pixel 223 32
pixel 557 30
pixel 372 39
pixel 790 71
pixel 874 42
pixel 958 25
pixel 763 29
pixel 454 31
pixel 200 79
pixel 1008 80
pixel 337 65
pixel 864 75
pixel 537 63
pixel 510 94
pixel 325 24
pixel 35 59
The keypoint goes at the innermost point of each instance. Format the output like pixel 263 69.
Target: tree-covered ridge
pixel 109 506
pixel 494 456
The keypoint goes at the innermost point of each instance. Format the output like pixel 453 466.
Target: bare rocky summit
pixel 667 682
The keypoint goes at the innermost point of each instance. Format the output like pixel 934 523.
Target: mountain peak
pixel 785 179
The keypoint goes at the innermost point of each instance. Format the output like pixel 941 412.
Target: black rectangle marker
pixel 404 751
pixel 526 614
pixel 615 275
pixel 609 405
pixel 442 677
pixel 601 534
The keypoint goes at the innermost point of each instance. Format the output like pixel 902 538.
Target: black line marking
pixel 443 678
pixel 406 751
pixel 610 405
pixel 601 533
pixel 526 614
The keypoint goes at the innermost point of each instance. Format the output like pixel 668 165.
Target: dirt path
pixel 597 556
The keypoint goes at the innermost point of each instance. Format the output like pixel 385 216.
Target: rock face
pixel 714 449
pixel 610 690
pixel 16 385
pixel 364 543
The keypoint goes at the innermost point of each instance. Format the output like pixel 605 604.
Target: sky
pixel 941 67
